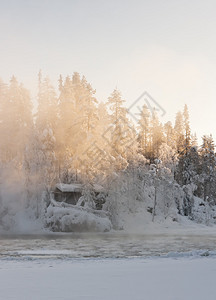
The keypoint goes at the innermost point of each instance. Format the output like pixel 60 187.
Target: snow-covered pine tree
pixel 87 113
pixel 47 112
pixel 119 131
pixel 187 131
pixel 156 135
pixel 45 132
pixel 179 132
pixel 16 121
pixel 143 131
pixel 68 129
pixel 169 135
pixel 208 164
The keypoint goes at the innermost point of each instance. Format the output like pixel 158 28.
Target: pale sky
pixel 167 48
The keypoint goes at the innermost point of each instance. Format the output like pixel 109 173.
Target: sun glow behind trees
pixel 69 124
pixel 75 138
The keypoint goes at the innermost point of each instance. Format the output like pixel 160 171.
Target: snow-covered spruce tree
pixel 144 131
pixel 179 132
pixel 194 141
pixel 68 125
pixel 16 121
pixel 32 167
pixel 168 157
pixel 169 135
pixel 47 112
pixel 96 154
pixel 88 106
pixel 208 174
pixel 193 170
pixel 188 170
pixel 85 157
pixel 45 134
pixel 156 136
pixel 119 132
pixel 90 119
pixel 4 126
pixel 76 127
pixel 15 130
pixel 185 169
pixel 16 125
pixel 40 170
pixel 187 131
pixel 167 197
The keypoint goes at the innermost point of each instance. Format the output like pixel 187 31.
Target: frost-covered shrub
pixel 202 212
pixel 68 219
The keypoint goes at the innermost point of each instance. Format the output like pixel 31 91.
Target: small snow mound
pixel 62 219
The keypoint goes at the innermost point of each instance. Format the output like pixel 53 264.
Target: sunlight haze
pixel 164 47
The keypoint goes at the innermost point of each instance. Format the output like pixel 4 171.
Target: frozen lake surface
pixel 187 277
pixel 108 266
pixel 110 245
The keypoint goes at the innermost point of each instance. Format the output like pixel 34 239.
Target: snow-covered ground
pixel 190 276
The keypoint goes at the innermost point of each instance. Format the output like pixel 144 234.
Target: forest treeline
pixel 73 137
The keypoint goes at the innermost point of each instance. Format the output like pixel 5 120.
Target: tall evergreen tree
pixel 16 121
pixel 119 132
pixel 88 106
pixel 47 113
pixel 144 131
pixel 46 128
pixel 156 134
pixel 187 132
pixel 169 134
pixel 208 165
pixel 68 128
pixel 179 132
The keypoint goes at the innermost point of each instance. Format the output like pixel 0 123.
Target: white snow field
pixel 186 276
